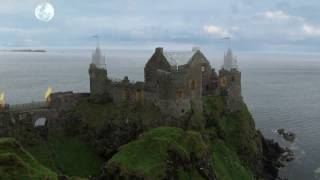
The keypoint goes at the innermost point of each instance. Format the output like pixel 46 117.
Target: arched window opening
pixel 193 85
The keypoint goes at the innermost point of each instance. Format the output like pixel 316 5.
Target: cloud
pixel 311 30
pixel 248 22
pixel 17 6
pixel 295 27
pixel 26 31
pixel 136 28
pixel 216 30
pixel 276 15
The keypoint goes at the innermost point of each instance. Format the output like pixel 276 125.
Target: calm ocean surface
pixel 282 91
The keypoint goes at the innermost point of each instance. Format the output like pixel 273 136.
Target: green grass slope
pixel 227 164
pixel 17 164
pixel 236 129
pixel 67 155
pixel 147 157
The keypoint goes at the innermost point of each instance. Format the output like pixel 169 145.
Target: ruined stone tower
pixel 179 79
pixel 230 81
pixel 98 73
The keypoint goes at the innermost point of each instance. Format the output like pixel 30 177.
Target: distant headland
pixel 23 50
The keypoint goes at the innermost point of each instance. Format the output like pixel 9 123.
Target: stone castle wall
pixel 127 91
pixel 65 101
pixel 231 88
pixel 28 106
pixel 166 99
pixel 98 80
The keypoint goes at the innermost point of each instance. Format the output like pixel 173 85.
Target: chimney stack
pixel 159 50
pixel 195 49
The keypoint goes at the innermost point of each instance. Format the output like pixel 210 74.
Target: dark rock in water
pixel 287 156
pixel 281 131
pixel 288 136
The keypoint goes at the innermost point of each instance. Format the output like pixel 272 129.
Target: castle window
pixel 233 79
pixel 203 68
pixel 179 94
pixel 139 96
pixel 126 94
pixel 223 82
pixel 193 85
pixel 224 93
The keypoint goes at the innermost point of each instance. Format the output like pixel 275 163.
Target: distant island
pixel 23 50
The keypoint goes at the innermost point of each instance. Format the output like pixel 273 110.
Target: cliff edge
pixel 139 142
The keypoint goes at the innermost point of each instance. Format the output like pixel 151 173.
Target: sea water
pixel 281 90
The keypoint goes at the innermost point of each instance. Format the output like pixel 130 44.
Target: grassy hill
pixel 148 157
pixel 67 155
pixel 229 140
pixel 17 164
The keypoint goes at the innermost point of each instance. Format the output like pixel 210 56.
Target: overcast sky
pixel 254 25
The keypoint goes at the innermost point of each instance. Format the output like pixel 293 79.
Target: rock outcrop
pixel 288 136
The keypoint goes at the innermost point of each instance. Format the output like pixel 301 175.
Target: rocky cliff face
pixel 227 147
pixel 138 142
pixel 231 146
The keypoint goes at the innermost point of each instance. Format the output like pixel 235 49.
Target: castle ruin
pixel 174 81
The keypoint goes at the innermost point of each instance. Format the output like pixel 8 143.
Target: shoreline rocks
pixel 271 156
pixel 286 135
pixel 287 156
